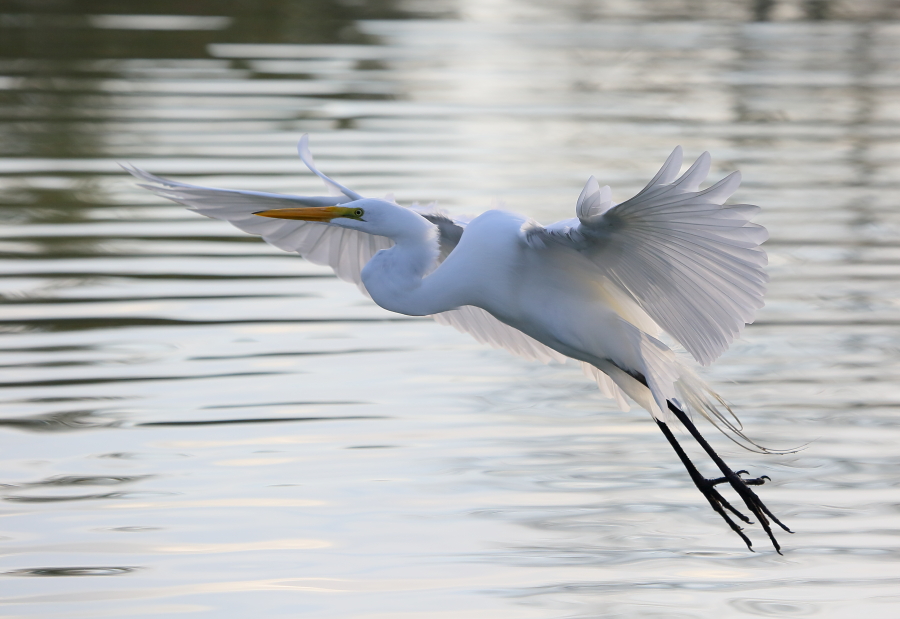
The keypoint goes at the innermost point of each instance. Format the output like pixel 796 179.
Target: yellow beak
pixel 310 213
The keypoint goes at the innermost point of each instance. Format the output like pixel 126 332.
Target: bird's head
pixel 369 215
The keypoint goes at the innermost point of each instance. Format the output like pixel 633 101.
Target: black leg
pixel 707 486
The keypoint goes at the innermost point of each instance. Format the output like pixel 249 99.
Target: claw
pixel 741 486
pixel 712 495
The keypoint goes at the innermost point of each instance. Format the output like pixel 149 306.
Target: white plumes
pixel 606 385
pixel 488 330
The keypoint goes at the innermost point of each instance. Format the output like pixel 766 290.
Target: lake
pixel 193 423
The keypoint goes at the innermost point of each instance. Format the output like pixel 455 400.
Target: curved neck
pixel 395 277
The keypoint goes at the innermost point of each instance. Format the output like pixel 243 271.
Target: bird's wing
pixel 344 250
pixel 488 330
pixel 691 262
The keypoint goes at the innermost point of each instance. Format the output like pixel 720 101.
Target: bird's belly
pixel 561 310
pixel 553 296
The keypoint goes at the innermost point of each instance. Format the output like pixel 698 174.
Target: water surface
pixel 193 422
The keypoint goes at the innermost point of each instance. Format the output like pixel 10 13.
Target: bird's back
pixel 554 295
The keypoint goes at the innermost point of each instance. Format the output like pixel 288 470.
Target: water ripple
pixel 221 422
pixel 169 376
pixel 71 571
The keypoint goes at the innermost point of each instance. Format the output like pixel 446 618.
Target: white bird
pixel 598 288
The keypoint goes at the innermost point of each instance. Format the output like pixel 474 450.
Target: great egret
pixel 598 288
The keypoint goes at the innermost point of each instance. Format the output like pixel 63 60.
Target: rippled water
pixel 194 422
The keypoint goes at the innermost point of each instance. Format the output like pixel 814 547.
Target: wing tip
pixel 668 171
pixel 159 183
pixel 304 152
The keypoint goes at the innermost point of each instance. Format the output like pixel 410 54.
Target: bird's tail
pixel 664 379
pixel 671 381
pixel 696 397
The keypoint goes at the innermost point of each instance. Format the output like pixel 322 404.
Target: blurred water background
pixel 193 423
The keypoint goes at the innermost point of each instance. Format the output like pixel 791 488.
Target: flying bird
pixel 599 288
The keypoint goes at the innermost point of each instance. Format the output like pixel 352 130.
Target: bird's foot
pixel 742 487
pixel 721 506
pixel 751 500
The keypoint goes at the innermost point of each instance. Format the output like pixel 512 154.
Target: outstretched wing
pixel 691 262
pixel 344 250
pixel 488 330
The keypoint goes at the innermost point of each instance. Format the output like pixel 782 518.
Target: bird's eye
pixel 358 212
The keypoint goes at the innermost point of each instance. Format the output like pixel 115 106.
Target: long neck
pixel 394 277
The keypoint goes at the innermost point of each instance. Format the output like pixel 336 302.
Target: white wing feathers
pixel 488 330
pixel 593 201
pixel 606 385
pixel 692 263
pixel 346 251
pixel 334 187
